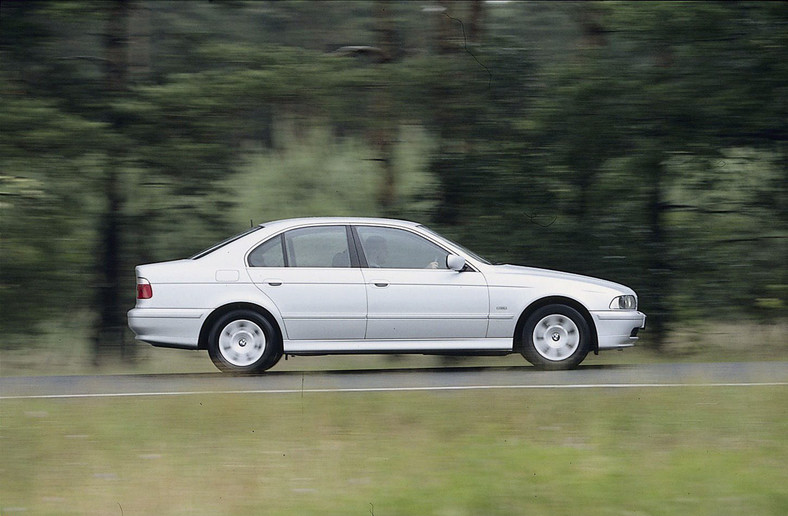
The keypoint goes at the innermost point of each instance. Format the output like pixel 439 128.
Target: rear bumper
pixel 616 328
pixel 173 328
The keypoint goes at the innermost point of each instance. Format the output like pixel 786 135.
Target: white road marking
pixel 397 389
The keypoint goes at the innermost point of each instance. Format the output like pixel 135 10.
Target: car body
pixel 315 286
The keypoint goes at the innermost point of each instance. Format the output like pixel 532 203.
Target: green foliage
pixel 636 141
pixel 724 206
pixel 44 240
pixel 319 174
pixel 308 176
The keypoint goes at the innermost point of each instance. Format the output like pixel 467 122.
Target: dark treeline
pixel 642 142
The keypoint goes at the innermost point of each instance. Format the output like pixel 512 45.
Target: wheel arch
pixel 202 342
pixel 555 300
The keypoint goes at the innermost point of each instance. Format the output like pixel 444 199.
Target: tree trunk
pixel 385 126
pixel 659 276
pixel 111 324
pixel 476 23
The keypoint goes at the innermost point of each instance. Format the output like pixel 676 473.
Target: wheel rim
pixel 242 343
pixel 556 337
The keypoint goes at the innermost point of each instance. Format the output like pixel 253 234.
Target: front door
pixel 412 295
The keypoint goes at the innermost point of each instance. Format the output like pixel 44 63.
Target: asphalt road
pixel 740 374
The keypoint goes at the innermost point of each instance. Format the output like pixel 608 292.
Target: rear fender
pixel 259 303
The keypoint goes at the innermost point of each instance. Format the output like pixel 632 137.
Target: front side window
pixel 399 249
pixel 325 246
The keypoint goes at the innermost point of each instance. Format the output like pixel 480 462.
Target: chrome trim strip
pixel 420 317
pixel 415 317
pixel 323 317
pixel 166 313
pixel 620 315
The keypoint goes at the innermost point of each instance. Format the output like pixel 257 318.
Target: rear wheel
pixel 556 337
pixel 243 341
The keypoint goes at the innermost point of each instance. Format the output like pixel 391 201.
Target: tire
pixel 556 337
pixel 244 342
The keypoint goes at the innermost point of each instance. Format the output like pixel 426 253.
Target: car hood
pixel 517 275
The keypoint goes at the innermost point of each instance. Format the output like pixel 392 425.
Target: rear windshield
pixel 225 242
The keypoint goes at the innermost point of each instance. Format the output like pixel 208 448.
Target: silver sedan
pixel 317 286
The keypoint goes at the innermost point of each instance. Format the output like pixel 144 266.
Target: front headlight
pixel 624 303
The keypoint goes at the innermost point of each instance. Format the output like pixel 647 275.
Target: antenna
pixel 251 224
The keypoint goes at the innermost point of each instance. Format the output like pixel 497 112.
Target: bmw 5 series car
pixel 318 286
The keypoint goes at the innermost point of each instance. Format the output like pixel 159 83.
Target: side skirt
pixel 426 347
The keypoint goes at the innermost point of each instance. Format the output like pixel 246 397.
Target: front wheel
pixel 244 341
pixel 556 337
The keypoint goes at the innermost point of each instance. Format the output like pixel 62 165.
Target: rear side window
pixel 269 254
pixel 318 247
pixel 324 246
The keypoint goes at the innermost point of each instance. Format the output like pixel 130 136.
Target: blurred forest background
pixel 640 142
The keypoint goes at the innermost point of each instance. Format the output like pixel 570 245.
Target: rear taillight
pixel 144 289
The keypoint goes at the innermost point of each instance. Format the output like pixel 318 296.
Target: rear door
pixel 308 273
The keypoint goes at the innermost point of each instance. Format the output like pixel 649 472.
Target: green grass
pixel 692 450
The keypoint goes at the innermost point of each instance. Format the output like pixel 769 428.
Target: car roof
pixel 285 223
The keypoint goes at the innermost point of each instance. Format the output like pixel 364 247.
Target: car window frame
pixel 225 242
pixel 257 246
pixel 464 250
pixel 363 259
pixel 286 251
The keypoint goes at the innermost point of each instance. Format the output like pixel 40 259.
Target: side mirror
pixel 455 263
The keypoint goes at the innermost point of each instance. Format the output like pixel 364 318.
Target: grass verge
pixel 690 450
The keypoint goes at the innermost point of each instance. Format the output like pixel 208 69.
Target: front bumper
pixel 615 328
pixel 165 327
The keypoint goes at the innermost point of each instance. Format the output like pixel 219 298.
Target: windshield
pixel 224 243
pixel 458 246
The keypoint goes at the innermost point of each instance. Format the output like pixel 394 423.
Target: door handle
pixel 274 282
pixel 381 284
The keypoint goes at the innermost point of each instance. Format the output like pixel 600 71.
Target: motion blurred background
pixel 641 142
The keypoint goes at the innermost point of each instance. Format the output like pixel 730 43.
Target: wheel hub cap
pixel 556 337
pixel 242 342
